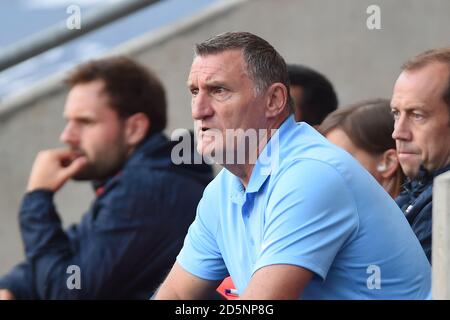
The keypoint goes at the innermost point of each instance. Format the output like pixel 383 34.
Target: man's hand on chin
pixel 52 169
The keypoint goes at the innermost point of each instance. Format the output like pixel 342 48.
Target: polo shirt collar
pixel 269 157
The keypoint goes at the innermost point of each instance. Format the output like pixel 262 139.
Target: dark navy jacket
pixel 416 202
pixel 125 244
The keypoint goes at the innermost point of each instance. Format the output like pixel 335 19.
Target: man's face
pixel 223 97
pixel 95 130
pixel 422 125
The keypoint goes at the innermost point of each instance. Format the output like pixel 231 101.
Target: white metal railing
pixel 441 237
pixel 59 33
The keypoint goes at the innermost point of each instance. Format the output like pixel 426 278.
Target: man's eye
pixel 417 116
pixel 194 92
pixel 86 122
pixel 219 90
pixel 395 114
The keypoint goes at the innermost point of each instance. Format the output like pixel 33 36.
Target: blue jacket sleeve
pixel 110 241
pixel 47 247
pixel 18 281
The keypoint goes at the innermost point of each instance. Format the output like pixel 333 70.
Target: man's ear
pixel 390 163
pixel 277 98
pixel 136 128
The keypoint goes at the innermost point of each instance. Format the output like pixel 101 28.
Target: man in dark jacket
pixel 129 238
pixel 421 109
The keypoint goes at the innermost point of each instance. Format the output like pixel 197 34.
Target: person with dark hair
pixel 115 113
pixel 313 94
pixel 421 109
pixel 291 215
pixel 364 129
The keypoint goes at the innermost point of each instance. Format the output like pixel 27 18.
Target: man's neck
pixel 244 171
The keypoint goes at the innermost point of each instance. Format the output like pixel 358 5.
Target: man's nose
pixel 201 106
pixel 70 135
pixel 401 129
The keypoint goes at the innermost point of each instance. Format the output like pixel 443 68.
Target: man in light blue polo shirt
pixel 304 219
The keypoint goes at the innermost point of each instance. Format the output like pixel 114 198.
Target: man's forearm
pixel 165 294
pixel 19 282
pixel 45 242
pixel 182 285
pixel 40 225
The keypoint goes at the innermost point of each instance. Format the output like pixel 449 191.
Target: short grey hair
pixel 264 64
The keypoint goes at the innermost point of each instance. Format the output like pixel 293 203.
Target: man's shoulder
pixel 307 144
pixel 306 148
pixel 152 164
pixel 311 180
pixel 148 193
pixel 141 175
pixel 312 169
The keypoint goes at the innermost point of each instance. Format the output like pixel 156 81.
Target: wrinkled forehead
pixel 422 86
pixel 209 67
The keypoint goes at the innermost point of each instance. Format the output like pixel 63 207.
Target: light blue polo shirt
pixel 310 204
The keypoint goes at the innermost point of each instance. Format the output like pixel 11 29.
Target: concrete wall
pixel 328 35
